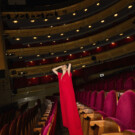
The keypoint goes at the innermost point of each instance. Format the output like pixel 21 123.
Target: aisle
pixel 60 130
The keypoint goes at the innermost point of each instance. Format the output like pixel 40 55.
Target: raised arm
pixel 55 69
pixel 69 68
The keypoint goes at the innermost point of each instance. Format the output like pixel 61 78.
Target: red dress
pixel 70 116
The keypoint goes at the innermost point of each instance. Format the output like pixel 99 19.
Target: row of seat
pixel 47 122
pixel 26 121
pixel 106 115
pixel 119 82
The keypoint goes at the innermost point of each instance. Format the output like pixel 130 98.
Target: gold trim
pixel 78 62
pixel 71 26
pixel 74 44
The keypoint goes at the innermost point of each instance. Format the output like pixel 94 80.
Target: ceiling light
pixel 15 21
pixel 83 66
pixel 113 43
pixel 115 15
pixel 128 37
pixel 98 47
pixel 52 53
pixel 32 21
pixel 121 34
pixel 38 55
pixel 67 38
pixel 81 47
pixel 107 39
pixel 77 30
pixel 130 6
pixel 41 43
pixel 31 61
pixel 102 21
pixel 89 26
pixel 98 4
pixel 54 41
pixel 58 18
pixel 85 9
pixel 57 57
pixel 28 45
pixel 74 14
pixel 20 57
pixel 70 55
pixel 43 59
pixel 94 44
pixel 45 19
pixel 84 51
pixel 49 36
pixel 65 51
pixel 51 26
pixel 17 39
pixel 34 37
pixel 62 34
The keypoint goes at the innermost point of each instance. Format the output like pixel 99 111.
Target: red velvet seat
pixel 12 128
pixel 129 83
pixel 110 105
pixel 5 130
pixel 125 114
pixel 93 99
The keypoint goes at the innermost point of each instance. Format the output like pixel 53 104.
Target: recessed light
pixel 113 43
pixel 45 19
pixel 41 43
pixel 31 61
pixel 85 9
pixel 52 53
pixel 94 44
pixel 98 4
pixel 20 57
pixel 38 55
pixel 62 34
pixel 32 21
pixel 102 21
pixel 54 41
pixel 15 21
pixel 67 38
pixel 128 37
pixel 84 51
pixel 58 18
pixel 77 30
pixel 130 6
pixel 43 59
pixel 65 51
pixel 98 47
pixel 17 39
pixel 83 66
pixel 121 34
pixel 70 55
pixel 28 45
pixel 57 57
pixel 81 47
pixel 74 14
pixel 34 37
pixel 51 26
pixel 115 15
pixel 49 36
pixel 107 39
pixel 89 26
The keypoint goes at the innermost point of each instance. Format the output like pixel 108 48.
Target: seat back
pixel 93 99
pixel 12 128
pixel 126 110
pixel 88 98
pixel 100 100
pixel 129 83
pixel 5 130
pixel 46 129
pixel 110 104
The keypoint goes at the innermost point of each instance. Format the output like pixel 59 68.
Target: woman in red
pixel 69 110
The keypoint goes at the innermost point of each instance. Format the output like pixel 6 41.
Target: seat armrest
pixel 117 133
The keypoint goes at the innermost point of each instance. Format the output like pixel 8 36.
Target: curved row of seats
pixel 24 123
pixel 119 82
pixel 103 113
pixel 46 124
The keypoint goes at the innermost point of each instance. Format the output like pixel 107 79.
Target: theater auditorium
pixel 67 67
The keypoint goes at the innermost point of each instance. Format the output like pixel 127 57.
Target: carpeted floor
pixel 60 130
